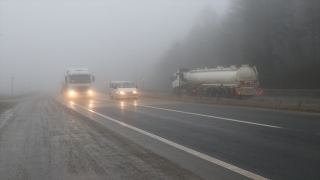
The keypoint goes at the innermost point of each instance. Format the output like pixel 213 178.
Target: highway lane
pixel 288 152
pixel 290 120
pixel 41 139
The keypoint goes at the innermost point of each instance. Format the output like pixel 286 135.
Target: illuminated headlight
pixel 134 92
pixel 121 92
pixel 71 93
pixel 90 92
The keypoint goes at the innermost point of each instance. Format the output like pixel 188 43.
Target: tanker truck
pixel 221 81
pixel 77 84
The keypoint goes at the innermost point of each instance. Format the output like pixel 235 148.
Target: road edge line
pixel 183 148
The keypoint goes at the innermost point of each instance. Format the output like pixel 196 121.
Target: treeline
pixel 280 37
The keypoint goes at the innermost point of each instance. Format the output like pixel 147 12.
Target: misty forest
pixel 146 42
pixel 280 37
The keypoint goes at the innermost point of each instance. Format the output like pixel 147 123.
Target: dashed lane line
pixel 203 115
pixel 183 148
pixel 222 118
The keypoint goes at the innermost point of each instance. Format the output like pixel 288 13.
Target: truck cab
pixel 178 80
pixel 77 84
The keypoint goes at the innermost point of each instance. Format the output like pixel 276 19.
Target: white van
pixel 123 89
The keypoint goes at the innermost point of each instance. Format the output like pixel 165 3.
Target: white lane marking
pixel 5 116
pixel 183 148
pixel 222 118
pixel 227 119
pixel 203 115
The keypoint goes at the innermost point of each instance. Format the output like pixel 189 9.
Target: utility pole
pixel 12 78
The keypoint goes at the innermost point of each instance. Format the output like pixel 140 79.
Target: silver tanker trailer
pixel 221 81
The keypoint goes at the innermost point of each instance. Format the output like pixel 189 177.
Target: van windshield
pixel 125 85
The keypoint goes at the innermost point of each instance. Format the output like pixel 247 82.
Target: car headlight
pixel 90 92
pixel 71 93
pixel 121 92
pixel 134 92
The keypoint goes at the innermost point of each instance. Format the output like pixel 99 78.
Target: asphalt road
pixel 53 138
pixel 41 139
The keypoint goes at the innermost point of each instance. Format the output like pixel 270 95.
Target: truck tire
pixel 216 92
pixel 224 93
pixel 210 92
pixel 188 91
pixel 176 91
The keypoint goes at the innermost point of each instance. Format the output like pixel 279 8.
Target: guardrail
pixel 297 100
pixel 300 93
pixel 294 93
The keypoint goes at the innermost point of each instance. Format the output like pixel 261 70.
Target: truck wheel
pixel 188 93
pixel 215 92
pixel 210 92
pixel 176 91
pixel 224 93
pixel 188 90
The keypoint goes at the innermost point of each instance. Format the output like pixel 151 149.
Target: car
pixel 123 89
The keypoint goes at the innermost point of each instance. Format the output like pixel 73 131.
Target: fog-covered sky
pixel 39 40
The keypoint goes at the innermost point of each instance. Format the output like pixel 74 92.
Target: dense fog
pixel 280 37
pixel 116 40
pixel 150 40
